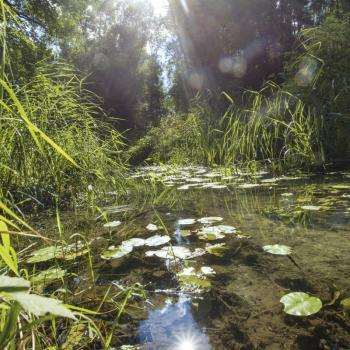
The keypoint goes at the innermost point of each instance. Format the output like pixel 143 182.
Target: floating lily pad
pixel 210 234
pixel 185 233
pixel 248 185
pixel 287 194
pixel 277 249
pixel 151 227
pixel 48 275
pixel 341 187
pixel 43 254
pixel 226 229
pixel 195 281
pixel 184 188
pixel 345 303
pixel 117 253
pixel 311 207
pixel 218 187
pixel 300 304
pixel 186 222
pixel 219 249
pixel 112 224
pixel 177 252
pixel 208 271
pixel 135 242
pixel 157 240
pixel 69 252
pixel 210 219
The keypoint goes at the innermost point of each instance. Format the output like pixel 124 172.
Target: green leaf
pixel 51 274
pixel 41 306
pixel 301 304
pixel 277 249
pixel 217 249
pixel 13 284
pixel 118 252
pixel 43 254
pixel 210 219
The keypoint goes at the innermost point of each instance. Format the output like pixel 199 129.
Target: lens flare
pixel 187 342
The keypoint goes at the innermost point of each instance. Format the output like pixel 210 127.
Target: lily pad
pixel 311 207
pixel 156 240
pixel 117 253
pixel 112 224
pixel 210 219
pixel 210 234
pixel 248 185
pixel 226 229
pixel 135 242
pixel 48 275
pixel 278 249
pixel 300 304
pixel 186 222
pixel 208 271
pixel 219 249
pixel 177 252
pixel 43 254
pixel 151 227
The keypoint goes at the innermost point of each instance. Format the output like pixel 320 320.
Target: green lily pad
pixel 300 304
pixel 186 222
pixel 219 249
pixel 48 275
pixel 68 252
pixel 156 240
pixel 219 187
pixel 311 207
pixel 248 186
pixel 195 281
pixel 43 254
pixel 185 233
pixel 117 253
pixel 210 219
pixel 345 303
pixel 210 234
pixel 277 249
pixel 226 229
pixel 177 252
pixel 151 227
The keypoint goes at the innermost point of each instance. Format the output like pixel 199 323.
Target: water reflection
pixel 173 327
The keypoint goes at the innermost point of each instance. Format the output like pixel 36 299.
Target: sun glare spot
pixel 188 342
pixel 160 7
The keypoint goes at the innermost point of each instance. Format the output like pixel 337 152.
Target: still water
pixel 198 272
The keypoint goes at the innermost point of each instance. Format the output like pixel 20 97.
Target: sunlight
pixel 160 7
pixel 188 342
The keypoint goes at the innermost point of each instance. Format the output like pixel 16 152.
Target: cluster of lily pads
pixel 187 178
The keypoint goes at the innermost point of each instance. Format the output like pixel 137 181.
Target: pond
pixel 200 258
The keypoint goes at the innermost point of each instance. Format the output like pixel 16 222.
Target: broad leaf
pixel 301 304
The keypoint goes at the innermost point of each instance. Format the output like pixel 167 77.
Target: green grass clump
pixel 55 108
pixel 175 141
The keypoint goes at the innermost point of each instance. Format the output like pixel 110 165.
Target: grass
pixel 55 109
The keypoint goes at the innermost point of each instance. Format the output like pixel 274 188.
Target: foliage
pixel 319 73
pixel 176 140
pixel 56 102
